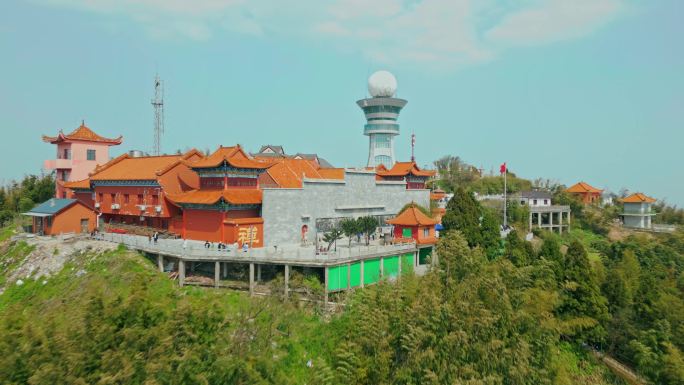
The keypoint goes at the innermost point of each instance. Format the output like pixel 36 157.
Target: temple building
pixel 405 172
pixel 637 211
pixel 78 153
pixel 133 190
pixel 414 224
pixel 587 193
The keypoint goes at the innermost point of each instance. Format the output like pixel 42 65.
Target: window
pixel 140 198
pixel 382 141
pixel 100 197
pixel 113 197
pixel 126 198
pixel 66 154
pixel 406 232
pixel 546 201
pixel 155 200
pixel 383 159
pixel 522 202
pixel 90 154
pixel 426 233
pixel 534 202
pixel 65 175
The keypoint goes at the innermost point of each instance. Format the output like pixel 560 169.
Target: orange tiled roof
pixel 404 169
pixel 638 198
pixel 583 187
pixel 234 156
pixel 210 197
pixel 412 217
pixel 125 167
pixel 243 221
pixel 78 184
pixel 290 172
pixel 82 133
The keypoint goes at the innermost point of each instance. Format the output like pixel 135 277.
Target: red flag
pixel 503 168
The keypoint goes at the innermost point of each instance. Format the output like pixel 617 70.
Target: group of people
pixel 153 237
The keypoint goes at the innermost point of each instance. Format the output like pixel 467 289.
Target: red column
pixel 223 227
pixel 183 230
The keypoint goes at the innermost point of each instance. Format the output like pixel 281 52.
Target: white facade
pixel 637 215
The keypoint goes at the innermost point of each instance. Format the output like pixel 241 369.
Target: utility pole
pixel 413 147
pixel 158 105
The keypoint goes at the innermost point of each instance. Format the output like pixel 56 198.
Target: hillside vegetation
pixel 111 318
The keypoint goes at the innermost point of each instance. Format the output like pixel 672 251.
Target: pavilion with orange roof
pixel 78 153
pixel 412 223
pixel 414 176
pixel 587 193
pixel 637 211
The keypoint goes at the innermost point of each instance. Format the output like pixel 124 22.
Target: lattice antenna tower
pixel 158 105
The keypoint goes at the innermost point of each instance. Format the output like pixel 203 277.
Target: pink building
pixel 77 155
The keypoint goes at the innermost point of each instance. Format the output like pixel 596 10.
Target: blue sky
pixel 587 90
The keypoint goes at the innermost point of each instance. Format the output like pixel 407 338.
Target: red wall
pixel 130 208
pixel 69 220
pixel 203 225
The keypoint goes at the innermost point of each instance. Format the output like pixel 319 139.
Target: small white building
pixel 543 214
pixel 535 198
pixel 637 212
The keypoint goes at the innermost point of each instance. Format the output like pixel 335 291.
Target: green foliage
pixel 583 308
pixel 333 236
pixel 367 225
pixel 22 196
pixel 350 227
pixel 479 226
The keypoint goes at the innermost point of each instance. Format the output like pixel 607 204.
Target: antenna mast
pixel 413 146
pixel 158 105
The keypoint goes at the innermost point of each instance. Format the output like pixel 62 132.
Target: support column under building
pixel 251 279
pixel 382 267
pixel 361 272
pixel 217 274
pixel 348 276
pixel 287 279
pixel 181 272
pixel 258 273
pixel 325 287
pixel 160 262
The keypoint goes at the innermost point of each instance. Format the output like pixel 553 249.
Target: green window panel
pixel 423 255
pixel 337 278
pixel 355 274
pixel 406 232
pixel 371 271
pixel 407 263
pixel 390 267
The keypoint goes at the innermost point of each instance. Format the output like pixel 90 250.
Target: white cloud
pixel 442 33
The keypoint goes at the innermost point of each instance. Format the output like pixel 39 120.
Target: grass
pixel 576 366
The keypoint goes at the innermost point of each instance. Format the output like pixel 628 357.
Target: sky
pixel 588 90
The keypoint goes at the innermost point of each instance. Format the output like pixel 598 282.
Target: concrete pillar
pixel 287 279
pixel 251 279
pixel 361 273
pixel 217 274
pixel 160 262
pixel 258 273
pixel 551 220
pixel 325 287
pixel 225 270
pixel 348 276
pixel 530 226
pixel 382 267
pixel 539 219
pixel 560 222
pixel 181 272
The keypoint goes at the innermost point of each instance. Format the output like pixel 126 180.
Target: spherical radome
pixel 382 84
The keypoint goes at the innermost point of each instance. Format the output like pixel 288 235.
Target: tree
pixel 332 236
pixel 463 213
pixel 550 250
pixel 25 204
pixel 367 225
pixel 490 232
pixel 583 308
pixel 519 251
pixel 350 227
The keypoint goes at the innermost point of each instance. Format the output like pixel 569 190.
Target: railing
pixel 293 253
